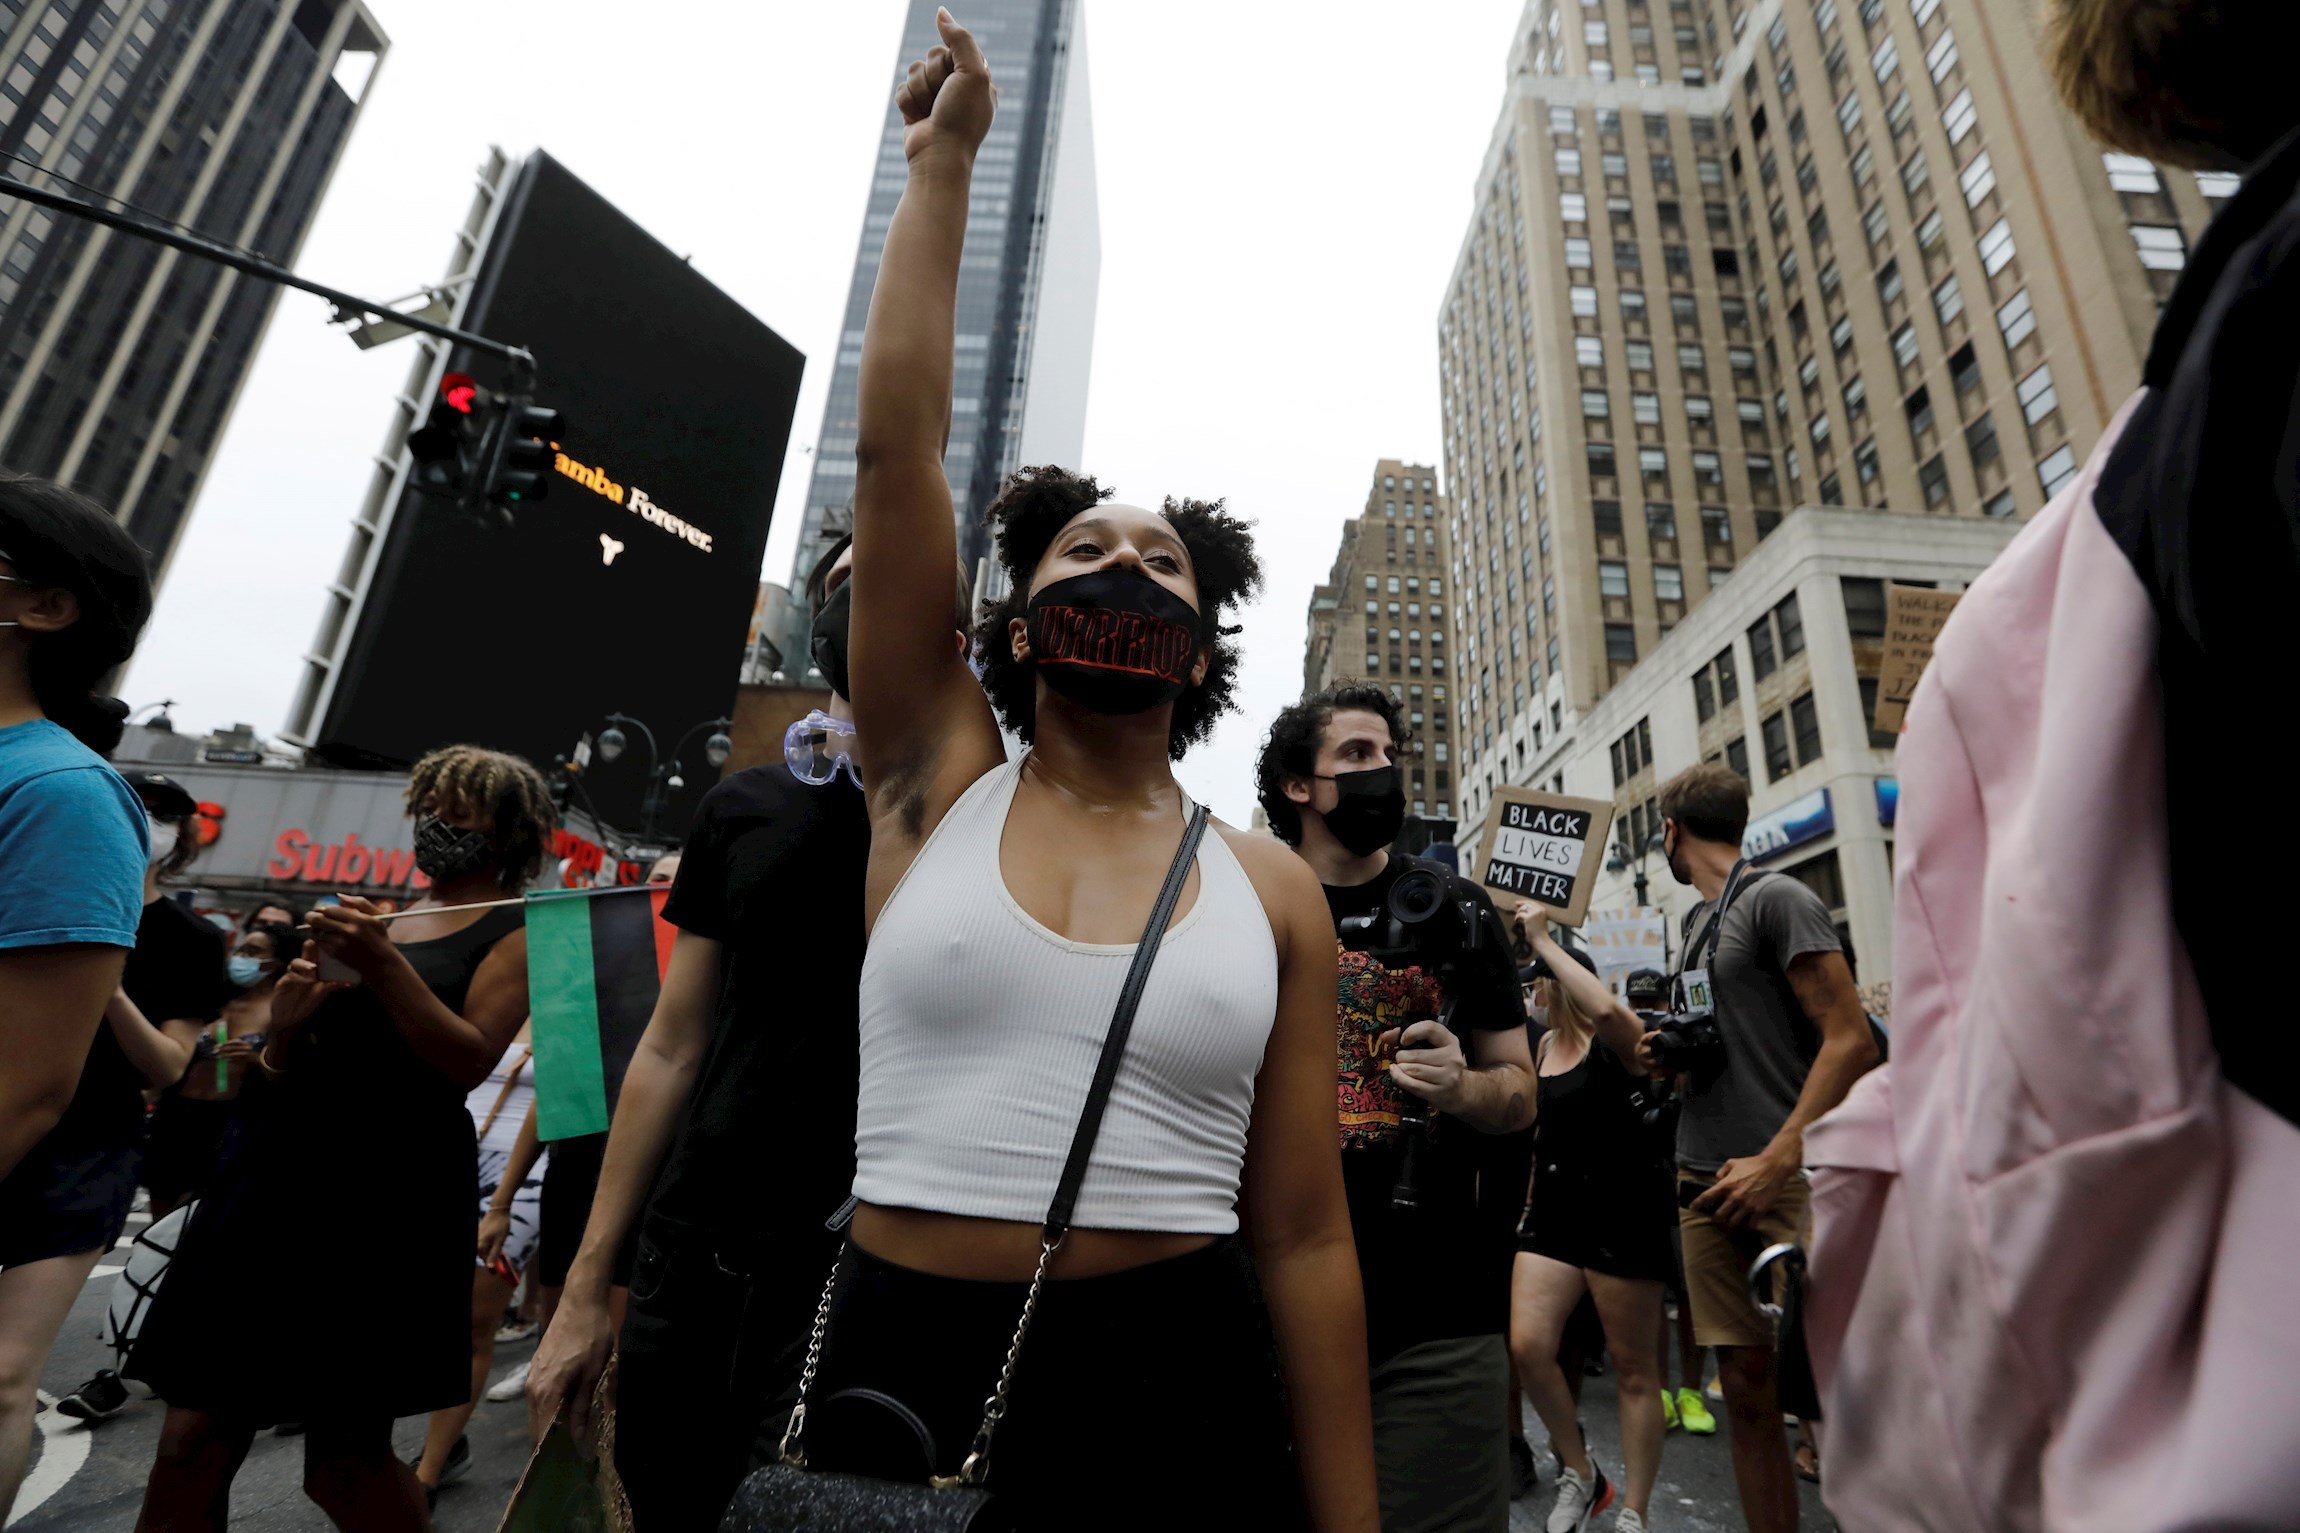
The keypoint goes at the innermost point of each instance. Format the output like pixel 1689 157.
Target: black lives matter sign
pixel 1546 847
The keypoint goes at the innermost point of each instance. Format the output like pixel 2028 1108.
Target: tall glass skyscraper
pixel 1027 285
pixel 120 359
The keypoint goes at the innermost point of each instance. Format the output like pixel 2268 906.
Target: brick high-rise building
pixel 1381 616
pixel 1734 256
pixel 120 359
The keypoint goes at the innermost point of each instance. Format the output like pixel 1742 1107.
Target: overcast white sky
pixel 1283 191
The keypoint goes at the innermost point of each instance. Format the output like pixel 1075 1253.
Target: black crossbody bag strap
pixel 791 1454
pixel 1121 1025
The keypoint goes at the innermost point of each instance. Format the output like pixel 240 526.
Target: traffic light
pixel 447 445
pixel 520 464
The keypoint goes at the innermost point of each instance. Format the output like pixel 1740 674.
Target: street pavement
pixel 87 1480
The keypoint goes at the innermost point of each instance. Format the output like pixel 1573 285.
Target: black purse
pixel 788 1497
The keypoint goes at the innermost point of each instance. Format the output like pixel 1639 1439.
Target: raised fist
pixel 948 100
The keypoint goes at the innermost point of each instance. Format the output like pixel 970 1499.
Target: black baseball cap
pixel 1650 984
pixel 163 795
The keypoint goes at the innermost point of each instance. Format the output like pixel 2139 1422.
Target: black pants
pixel 1144 1399
pixel 713 1337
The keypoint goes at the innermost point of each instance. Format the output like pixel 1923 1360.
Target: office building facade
pixel 1380 616
pixel 1733 256
pixel 1776 677
pixel 120 359
pixel 1027 284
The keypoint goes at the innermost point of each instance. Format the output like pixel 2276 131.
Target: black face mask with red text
pixel 1113 641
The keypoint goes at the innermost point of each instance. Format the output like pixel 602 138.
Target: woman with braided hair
pixel 363 1108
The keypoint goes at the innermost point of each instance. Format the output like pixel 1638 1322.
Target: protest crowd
pixel 1009 1138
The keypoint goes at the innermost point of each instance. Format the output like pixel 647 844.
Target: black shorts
pixel 62 1200
pixel 1621 1228
pixel 570 1182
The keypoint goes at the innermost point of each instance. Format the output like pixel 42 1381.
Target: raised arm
pixel 916 703
pixel 1616 1026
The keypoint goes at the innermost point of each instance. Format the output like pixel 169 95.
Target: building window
pixel 1573 207
pixel 1583 301
pixel 1958 116
pixel 1588 351
pixel 1605 516
pixel 1778 762
pixel 1948 299
pixel 2057 469
pixel 1620 642
pixel 1612 578
pixel 1791 620
pixel 1933 477
pixel 1737 756
pixel 1600 460
pixel 1805 729
pixel 1594 405
pixel 1668 582
pixel 1704 697
pixel 2016 319
pixel 2161 248
pixel 1653 462
pixel 2038 398
pixel 1996 247
pixel 1763 662
pixel 1981 441
pixel 1645 409
pixel 1999 505
pixel 2131 173
pixel 1978 179
pixel 1864 606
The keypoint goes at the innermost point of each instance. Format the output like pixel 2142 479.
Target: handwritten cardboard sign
pixel 1546 847
pixel 1914 616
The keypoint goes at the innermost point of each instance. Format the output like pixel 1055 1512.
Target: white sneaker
pixel 1629 1522
pixel 512 1386
pixel 1578 1500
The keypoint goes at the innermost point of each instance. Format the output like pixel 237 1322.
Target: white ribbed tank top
pixel 981 1028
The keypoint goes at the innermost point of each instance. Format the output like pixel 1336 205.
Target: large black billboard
pixel 630 587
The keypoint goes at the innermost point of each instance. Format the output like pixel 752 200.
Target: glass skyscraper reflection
pixel 1027 283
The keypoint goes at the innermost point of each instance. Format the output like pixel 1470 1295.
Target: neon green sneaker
pixel 1693 1413
pixel 1668 1411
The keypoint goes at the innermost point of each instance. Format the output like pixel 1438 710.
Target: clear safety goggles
pixel 818 747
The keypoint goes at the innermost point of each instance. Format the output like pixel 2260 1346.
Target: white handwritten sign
pixel 1546 847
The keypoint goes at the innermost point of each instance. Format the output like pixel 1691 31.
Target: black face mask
pixel 1371 810
pixel 1113 641
pixel 444 853
pixel 828 647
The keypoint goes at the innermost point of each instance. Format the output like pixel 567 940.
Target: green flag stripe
pixel 563 1000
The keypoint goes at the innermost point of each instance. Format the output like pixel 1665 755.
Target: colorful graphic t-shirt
pixel 1439 1270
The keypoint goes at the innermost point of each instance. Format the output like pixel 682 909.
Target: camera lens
pixel 1416 896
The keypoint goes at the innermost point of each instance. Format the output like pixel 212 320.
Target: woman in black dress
pixel 362 1115
pixel 1598 1223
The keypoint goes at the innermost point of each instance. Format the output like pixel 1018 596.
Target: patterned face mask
pixel 444 852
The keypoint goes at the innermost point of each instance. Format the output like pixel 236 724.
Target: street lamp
pixel 1617 859
pixel 663 776
pixel 160 720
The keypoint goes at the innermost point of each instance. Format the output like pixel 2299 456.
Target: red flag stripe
pixel 665 932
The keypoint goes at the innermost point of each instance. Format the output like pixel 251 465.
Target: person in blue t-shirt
pixel 74 594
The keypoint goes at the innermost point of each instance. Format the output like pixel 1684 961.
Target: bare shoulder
pixel 1289 890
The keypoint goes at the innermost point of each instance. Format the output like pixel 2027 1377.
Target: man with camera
pixel 1433 1055
pixel 1769 1034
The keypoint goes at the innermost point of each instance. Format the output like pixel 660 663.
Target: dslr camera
pixel 1688 1044
pixel 1421 923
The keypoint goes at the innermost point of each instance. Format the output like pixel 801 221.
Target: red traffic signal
pixel 460 391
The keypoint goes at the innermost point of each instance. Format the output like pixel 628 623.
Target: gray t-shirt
pixel 1769 1042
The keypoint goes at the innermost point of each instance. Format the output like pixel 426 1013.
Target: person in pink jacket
pixel 2055 1238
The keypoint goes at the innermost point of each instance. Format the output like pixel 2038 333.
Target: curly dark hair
pixel 1291 749
pixel 1032 508
pixel 507 788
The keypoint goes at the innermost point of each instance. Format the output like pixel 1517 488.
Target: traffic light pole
pixel 519 359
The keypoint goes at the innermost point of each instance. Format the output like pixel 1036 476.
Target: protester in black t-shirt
pixel 1436 1275
pixel 743 1093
